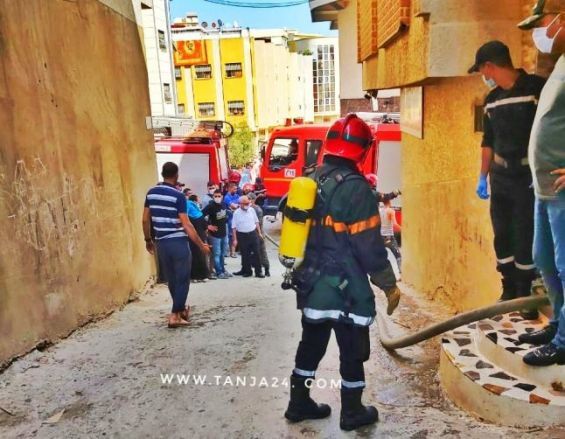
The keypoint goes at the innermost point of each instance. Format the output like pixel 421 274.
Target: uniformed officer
pixel 509 112
pixel 344 246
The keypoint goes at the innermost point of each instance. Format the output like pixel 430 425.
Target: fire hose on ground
pixel 523 303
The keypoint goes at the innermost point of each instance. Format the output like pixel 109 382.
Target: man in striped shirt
pixel 165 219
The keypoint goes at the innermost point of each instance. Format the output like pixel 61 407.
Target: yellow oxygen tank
pixel 297 220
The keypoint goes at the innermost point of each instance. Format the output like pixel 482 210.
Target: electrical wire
pixel 258 5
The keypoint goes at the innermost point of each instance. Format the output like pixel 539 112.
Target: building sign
pixel 412 111
pixel 191 52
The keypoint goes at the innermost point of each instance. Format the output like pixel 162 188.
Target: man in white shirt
pixel 246 232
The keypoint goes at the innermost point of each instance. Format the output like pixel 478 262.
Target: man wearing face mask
pixel 217 213
pixel 510 107
pixel 547 162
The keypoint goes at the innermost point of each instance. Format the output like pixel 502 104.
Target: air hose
pixel 391 344
pixel 523 303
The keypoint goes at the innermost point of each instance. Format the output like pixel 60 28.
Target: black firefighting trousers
pixel 512 215
pixel 354 349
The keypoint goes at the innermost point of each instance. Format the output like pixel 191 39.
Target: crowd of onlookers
pixel 229 218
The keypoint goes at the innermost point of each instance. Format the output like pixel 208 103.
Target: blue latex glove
pixel 482 188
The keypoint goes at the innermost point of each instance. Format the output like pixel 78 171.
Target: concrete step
pixel 481 370
pixel 497 340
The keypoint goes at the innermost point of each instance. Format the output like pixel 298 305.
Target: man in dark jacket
pixel 344 246
pixel 510 107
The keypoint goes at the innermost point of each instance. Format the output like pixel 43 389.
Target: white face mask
pixel 541 40
pixel 490 83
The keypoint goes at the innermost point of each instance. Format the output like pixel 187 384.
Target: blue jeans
pixel 228 239
pixel 175 261
pixel 218 249
pixel 549 257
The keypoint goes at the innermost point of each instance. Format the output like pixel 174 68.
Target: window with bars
pixel 167 93
pixel 178 73
pixel 206 109
pixel 323 71
pixel 162 41
pixel 203 72
pixel 236 108
pixel 233 70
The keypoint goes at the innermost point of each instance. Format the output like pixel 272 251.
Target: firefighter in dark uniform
pixel 509 113
pixel 344 245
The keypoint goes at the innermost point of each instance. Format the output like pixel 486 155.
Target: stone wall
pixel 75 162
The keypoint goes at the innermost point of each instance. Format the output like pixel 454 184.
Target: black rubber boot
pixel 301 406
pixel 524 289
pixel 353 413
pixel 508 289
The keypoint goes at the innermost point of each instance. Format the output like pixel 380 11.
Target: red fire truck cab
pixel 292 150
pixel 201 157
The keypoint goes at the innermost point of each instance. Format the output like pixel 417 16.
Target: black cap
pixel 537 14
pixel 492 51
pixel 540 10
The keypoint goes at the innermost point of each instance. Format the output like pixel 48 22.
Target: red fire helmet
pixel 234 177
pixel 372 179
pixel 349 138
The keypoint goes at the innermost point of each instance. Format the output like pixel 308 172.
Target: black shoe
pixel 267 272
pixel 353 413
pixel 247 274
pixel 238 273
pixel 545 356
pixel 529 314
pixel 301 406
pixel 261 275
pixel 543 336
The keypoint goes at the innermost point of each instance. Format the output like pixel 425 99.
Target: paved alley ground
pixel 106 378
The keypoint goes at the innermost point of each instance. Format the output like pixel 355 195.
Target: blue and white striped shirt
pixel 165 203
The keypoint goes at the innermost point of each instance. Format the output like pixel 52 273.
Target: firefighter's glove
pixel 393 299
pixel 482 188
pixel 385 279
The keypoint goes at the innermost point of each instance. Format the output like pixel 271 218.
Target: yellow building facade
pixel 425 47
pixel 246 77
pixel 217 86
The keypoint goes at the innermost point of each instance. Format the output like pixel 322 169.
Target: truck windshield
pixel 283 152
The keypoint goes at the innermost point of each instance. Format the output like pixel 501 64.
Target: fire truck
pixel 199 148
pixel 293 151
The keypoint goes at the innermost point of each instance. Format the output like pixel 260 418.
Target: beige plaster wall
pixel 75 162
pixel 446 233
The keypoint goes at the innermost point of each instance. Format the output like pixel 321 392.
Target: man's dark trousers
pixel 249 248
pixel 354 350
pixel 512 215
pixel 175 261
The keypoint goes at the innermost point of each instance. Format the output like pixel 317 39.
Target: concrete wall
pixel 159 60
pixel 75 162
pixel 350 70
pixel 442 39
pixel 446 234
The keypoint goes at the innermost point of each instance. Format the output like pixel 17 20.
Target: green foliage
pixel 240 146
